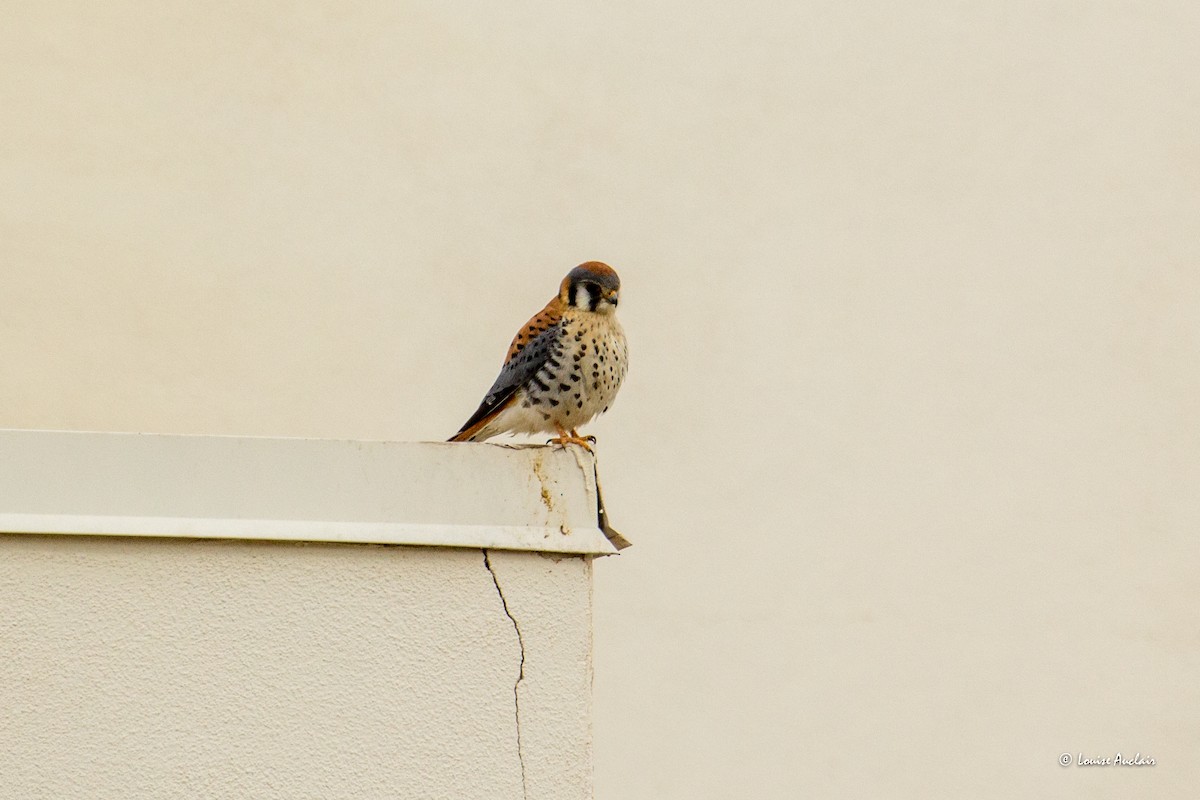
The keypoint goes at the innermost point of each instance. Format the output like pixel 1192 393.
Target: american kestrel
pixel 564 366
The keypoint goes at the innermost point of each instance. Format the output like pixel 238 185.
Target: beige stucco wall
pixel 908 447
pixel 158 668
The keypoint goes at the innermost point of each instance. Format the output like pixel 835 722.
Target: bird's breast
pixel 586 374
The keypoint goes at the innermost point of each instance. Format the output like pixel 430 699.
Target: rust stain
pixel 539 472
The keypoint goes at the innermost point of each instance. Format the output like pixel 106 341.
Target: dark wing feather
pixel 517 371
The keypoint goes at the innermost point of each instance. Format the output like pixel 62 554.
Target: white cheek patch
pixel 583 296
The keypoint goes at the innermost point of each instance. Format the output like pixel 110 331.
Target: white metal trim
pixel 400 493
pixel 589 541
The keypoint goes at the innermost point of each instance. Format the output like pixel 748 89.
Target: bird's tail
pixel 479 426
pixel 469 432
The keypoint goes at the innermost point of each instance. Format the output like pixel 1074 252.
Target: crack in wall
pixel 487 562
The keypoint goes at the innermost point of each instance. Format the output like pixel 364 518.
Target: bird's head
pixel 592 286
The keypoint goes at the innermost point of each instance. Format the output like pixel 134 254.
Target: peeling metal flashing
pixel 614 537
pixel 591 476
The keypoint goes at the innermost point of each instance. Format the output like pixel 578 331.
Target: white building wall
pixel 162 668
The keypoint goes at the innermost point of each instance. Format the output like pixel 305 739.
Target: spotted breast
pixel 581 377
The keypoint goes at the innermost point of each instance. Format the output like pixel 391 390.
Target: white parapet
pixel 190 616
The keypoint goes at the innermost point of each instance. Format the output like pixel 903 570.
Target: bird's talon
pixel 583 441
pixel 574 434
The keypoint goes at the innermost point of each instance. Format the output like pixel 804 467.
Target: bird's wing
pixel 530 349
pixel 538 324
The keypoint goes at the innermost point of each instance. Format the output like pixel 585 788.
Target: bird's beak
pixel 612 298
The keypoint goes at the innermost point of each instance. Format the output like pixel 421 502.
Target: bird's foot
pixel 565 439
pixel 575 434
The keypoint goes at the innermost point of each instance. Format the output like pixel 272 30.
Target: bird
pixel 564 366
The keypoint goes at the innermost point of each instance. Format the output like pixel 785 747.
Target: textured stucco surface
pixel 156 668
pixel 541 594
